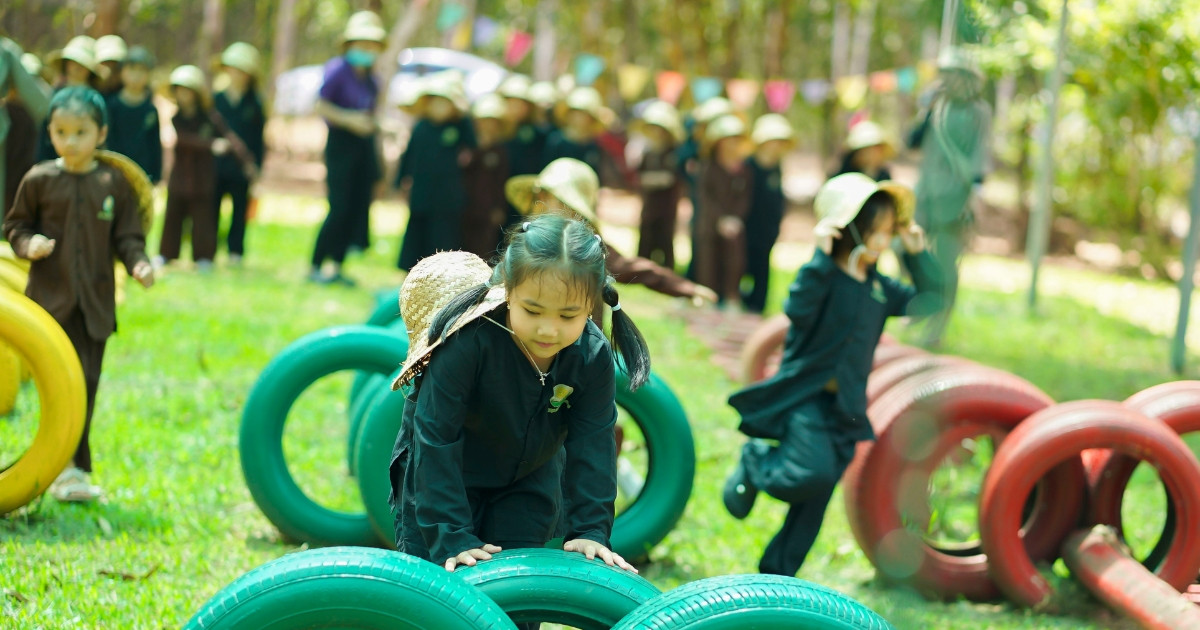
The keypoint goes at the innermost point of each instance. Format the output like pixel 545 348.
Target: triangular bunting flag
pixel 485 30
pixel 519 43
pixel 462 36
pixel 588 68
pixel 926 71
pixel 631 80
pixel 450 15
pixel 779 94
pixel 704 88
pixel 906 79
pixel 815 91
pixel 851 91
pixel 883 82
pixel 742 92
pixel 670 85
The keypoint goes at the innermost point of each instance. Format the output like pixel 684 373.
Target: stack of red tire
pixel 1057 469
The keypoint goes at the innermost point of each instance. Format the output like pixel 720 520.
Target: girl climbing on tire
pixel 508 426
pixel 816 404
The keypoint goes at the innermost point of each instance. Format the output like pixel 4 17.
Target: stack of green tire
pixel 354 587
pixel 375 351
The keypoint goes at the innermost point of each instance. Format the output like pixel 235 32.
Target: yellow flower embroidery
pixel 560 396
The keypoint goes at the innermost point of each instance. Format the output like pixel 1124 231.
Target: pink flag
pixel 519 44
pixel 742 92
pixel 670 86
pixel 779 94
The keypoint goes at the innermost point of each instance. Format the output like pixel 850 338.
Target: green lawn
pixel 178 523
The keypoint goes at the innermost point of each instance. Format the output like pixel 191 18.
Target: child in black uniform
pixel 773 137
pixel 521 377
pixel 241 107
pixel 133 119
pixel 584 117
pixel 816 404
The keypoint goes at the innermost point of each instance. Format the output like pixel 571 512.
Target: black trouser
pixel 238 189
pixel 802 470
pixel 758 267
pixel 351 172
pixel 91 357
pixel 204 234
pixel 657 227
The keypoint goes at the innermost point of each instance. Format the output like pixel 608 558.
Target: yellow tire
pixel 10 378
pixel 13 277
pixel 7 254
pixel 43 345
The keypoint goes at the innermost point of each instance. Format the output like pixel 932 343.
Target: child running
pixel 508 432
pixel 71 216
pixel 816 404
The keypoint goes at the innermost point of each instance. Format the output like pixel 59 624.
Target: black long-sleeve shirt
pixel 482 420
pixel 836 322
pixel 247 120
pixel 133 131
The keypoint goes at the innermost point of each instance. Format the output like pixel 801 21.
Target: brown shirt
pixel 193 174
pixel 487 209
pixel 92 217
pixel 722 194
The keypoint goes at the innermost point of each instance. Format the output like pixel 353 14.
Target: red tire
pixel 764 349
pixel 885 354
pixel 919 423
pixel 896 371
pixel 1175 404
pixel 1056 436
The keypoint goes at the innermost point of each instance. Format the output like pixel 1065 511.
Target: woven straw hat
pixel 32 64
pixel 191 78
pixel 81 50
pixel 588 100
pixel 663 114
pixel 432 283
pixel 543 94
pixel 841 198
pixel 868 134
pixel 770 127
pixel 712 109
pixel 489 106
pixel 242 56
pixel 447 84
pixel 516 86
pixel 727 126
pixel 573 182
pixel 143 190
pixel 111 48
pixel 955 58
pixel 364 26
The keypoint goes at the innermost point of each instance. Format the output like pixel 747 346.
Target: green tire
pixel 260 442
pixel 396 326
pixel 387 308
pixel 762 602
pixel 672 467
pixel 637 529
pixel 375 387
pixel 349 587
pixel 556 586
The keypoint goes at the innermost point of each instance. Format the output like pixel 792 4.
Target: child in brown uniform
pixel 71 216
pixel 659 182
pixel 191 185
pixel 484 174
pixel 718 250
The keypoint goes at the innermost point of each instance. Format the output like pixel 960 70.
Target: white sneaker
pixel 74 486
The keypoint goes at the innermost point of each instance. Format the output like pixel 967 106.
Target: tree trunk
pixel 108 17
pixel 283 49
pixel 212 33
pixel 402 31
pixel 544 44
pixel 864 30
pixel 839 59
pixel 776 36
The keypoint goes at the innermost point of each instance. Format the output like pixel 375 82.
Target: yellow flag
pixel 852 91
pixel 926 71
pixel 631 80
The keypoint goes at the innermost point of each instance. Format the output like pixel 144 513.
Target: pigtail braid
pixel 626 339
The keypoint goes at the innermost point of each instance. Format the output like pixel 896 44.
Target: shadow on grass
pixel 45 520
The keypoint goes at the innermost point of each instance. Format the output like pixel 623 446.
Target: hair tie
pixel 525 226
pixel 617 307
pixel 598 237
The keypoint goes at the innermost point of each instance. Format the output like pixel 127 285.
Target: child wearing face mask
pixel 508 429
pixel 815 406
pixel 431 169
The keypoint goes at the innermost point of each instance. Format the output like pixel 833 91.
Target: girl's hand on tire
pixel 471 556
pixel 593 549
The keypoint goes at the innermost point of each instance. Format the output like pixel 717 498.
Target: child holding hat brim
pixel 773 138
pixel 348 96
pixel 241 107
pixel 815 406
pixel 658 182
pixel 431 169
pixel 486 171
pixel 569 187
pixel 868 151
pixel 719 248
pixel 582 118
pixel 134 129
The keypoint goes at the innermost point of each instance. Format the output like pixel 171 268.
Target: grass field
pixel 178 524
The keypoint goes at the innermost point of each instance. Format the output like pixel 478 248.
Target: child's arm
pixel 128 239
pixel 806 295
pixel 21 222
pixel 925 296
pixel 654 277
pixel 443 513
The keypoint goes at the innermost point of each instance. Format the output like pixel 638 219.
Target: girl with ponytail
pixel 508 432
